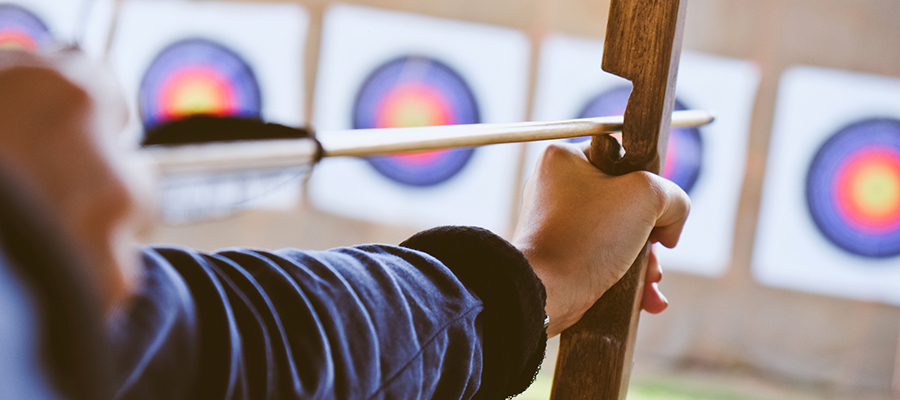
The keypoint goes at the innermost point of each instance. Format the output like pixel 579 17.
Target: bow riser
pixel 643 44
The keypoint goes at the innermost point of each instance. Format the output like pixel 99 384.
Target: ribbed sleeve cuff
pixel 513 333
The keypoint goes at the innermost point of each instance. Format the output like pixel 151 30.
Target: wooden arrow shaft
pixel 370 142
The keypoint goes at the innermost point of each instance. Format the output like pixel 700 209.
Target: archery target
pixel 38 25
pixel 21 29
pixel 411 70
pixel 198 76
pixel 416 91
pixel 685 148
pixel 829 220
pixel 571 84
pixel 177 58
pixel 853 188
pixel 181 58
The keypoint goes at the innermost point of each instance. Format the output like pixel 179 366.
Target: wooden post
pixel 643 44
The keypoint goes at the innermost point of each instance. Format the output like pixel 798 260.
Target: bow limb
pixel 643 44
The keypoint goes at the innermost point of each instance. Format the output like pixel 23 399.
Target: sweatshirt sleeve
pixel 513 298
pixel 364 322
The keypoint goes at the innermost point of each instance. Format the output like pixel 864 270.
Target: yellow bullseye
pixel 412 107
pixel 197 94
pixel 413 113
pixel 198 98
pixel 876 191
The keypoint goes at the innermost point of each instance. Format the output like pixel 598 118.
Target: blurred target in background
pixel 198 76
pixel 853 188
pixel 416 91
pixel 381 69
pixel 21 29
pixel 176 59
pixel 829 219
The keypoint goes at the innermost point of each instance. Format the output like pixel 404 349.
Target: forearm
pixel 358 322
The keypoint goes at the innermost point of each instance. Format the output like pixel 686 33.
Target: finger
pixel 676 205
pixel 578 149
pixel 653 301
pixel 557 154
pixel 654 271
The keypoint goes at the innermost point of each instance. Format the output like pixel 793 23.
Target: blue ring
pixel 199 52
pixel 820 194
pixel 16 18
pixel 447 82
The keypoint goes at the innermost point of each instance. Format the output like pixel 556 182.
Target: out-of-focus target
pixel 853 188
pixel 198 76
pixel 181 58
pixel 685 150
pixel 44 25
pixel 708 163
pixel 416 91
pixel 21 29
pixel 412 70
pixel 829 220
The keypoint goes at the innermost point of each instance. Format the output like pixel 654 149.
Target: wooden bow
pixel 643 45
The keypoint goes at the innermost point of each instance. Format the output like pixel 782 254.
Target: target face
pixel 20 29
pixel 683 156
pixel 198 76
pixel 416 91
pixel 853 188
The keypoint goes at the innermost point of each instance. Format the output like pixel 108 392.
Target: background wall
pixel 836 347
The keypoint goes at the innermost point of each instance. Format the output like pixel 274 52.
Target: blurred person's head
pixel 60 117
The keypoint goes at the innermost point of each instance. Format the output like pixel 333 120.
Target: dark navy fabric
pixel 351 323
pixel 22 375
pixel 51 325
pixel 364 322
pixel 513 336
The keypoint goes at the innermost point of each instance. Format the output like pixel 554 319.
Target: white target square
pixel 99 16
pixel 225 58
pixel 829 220
pixel 382 68
pixel 708 162
pixel 181 58
pixel 41 24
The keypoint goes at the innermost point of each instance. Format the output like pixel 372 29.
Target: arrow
pixel 249 154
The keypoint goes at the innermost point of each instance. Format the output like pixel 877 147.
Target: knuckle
pixel 554 155
pixel 687 204
pixel 554 151
pixel 650 187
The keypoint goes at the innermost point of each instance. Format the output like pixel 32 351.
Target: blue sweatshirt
pixel 452 313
